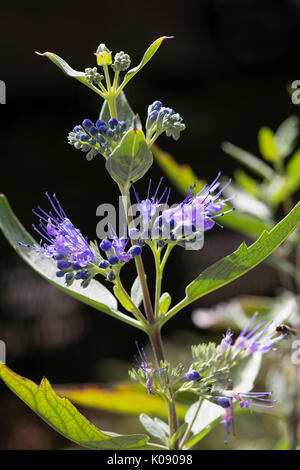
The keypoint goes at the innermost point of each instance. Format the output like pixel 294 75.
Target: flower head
pixel 64 243
pixel 257 339
pixel 143 364
pixel 161 119
pixel 226 341
pixel 245 400
pixel 99 138
pixel 115 249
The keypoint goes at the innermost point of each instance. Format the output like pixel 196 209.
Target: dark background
pixel 226 72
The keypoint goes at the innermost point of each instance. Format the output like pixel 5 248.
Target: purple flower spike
pixel 62 240
pixel 257 339
pixel 148 207
pixel 142 363
pixel 226 341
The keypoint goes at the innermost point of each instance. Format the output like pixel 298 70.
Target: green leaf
pixel 124 112
pixel 147 56
pixel 125 398
pixel 286 135
pixel 153 428
pixel 123 299
pixel 250 161
pixel 248 183
pixel 95 295
pixel 164 303
pixel 136 292
pixel 130 160
pixel 267 144
pixel 183 177
pixel 62 416
pixel 65 67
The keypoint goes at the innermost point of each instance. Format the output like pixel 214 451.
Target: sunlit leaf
pixel 130 160
pixel 62 416
pixel 65 67
pixel 125 398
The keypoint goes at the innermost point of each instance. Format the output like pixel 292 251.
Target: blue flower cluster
pixel 161 119
pixel 183 223
pixel 75 257
pixel 100 138
pixel 114 250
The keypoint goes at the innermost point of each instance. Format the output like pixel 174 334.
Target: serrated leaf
pixel 62 416
pixel 127 398
pixel 147 56
pixel 95 295
pixel 267 144
pixel 136 292
pixel 124 112
pixel 130 160
pixel 243 259
pixel 249 160
pixel 67 69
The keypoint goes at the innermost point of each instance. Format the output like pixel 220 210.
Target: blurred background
pixel 226 72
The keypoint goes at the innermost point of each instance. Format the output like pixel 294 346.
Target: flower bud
pixel 103 55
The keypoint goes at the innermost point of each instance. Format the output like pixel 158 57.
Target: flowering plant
pixel 71 262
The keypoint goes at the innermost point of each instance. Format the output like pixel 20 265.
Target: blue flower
pixel 115 250
pixel 149 207
pixel 245 400
pixel 63 242
pixel 226 341
pixel 192 375
pixel 257 339
pixel 161 119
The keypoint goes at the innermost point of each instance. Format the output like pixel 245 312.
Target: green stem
pixel 189 429
pixel 158 280
pixel 135 310
pixel 115 83
pixel 107 78
pixel 159 266
pixel 139 264
pixel 111 101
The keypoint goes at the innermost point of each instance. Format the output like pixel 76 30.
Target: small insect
pixel 284 329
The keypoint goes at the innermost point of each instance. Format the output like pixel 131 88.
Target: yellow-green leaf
pixel 124 397
pixel 267 144
pixel 62 416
